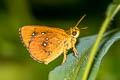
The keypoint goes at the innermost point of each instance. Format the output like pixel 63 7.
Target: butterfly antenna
pixel 80 20
pixel 84 28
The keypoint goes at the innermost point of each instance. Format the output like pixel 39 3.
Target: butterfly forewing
pixel 44 43
pixel 26 34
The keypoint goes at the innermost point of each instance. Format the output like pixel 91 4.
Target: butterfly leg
pixel 75 51
pixel 64 59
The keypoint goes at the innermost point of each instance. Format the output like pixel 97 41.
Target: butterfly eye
pixel 74 33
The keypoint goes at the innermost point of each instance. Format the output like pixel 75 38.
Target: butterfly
pixel 45 44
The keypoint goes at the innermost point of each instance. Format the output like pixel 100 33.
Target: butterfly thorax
pixel 73 35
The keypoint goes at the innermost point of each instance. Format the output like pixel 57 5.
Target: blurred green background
pixel 15 62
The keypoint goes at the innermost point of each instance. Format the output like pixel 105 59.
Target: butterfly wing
pixel 44 43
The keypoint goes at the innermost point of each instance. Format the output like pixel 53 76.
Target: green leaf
pixel 70 69
pixel 81 69
pixel 101 54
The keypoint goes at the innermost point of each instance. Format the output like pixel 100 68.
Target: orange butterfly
pixel 45 43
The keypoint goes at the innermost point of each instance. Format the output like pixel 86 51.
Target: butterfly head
pixel 75 31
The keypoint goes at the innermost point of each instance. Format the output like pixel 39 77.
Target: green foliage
pixel 101 53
